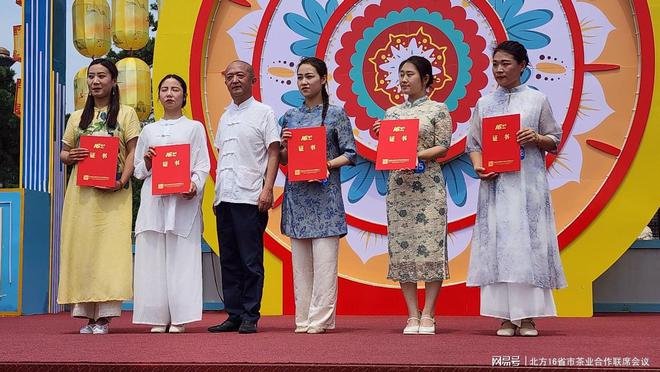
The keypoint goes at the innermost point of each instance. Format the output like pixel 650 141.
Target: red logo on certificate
pixel 99 169
pixel 307 154
pixel 397 144
pixel 500 150
pixel 170 170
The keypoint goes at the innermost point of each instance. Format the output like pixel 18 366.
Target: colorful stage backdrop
pixel 586 56
pixel 595 60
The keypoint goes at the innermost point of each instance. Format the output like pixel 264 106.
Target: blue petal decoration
pixel 525 75
pixel 309 28
pixel 330 8
pixel 381 181
pixel 315 13
pixel 293 98
pixel 530 39
pixel 305 47
pixel 453 173
pixel 519 26
pixel 301 25
pixel 363 174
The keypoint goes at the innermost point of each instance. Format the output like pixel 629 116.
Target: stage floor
pixel 612 341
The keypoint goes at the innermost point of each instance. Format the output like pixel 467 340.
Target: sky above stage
pixel 11 15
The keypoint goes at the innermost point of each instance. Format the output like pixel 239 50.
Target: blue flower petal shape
pixel 301 25
pixel 362 179
pixel 350 171
pixel 305 47
pixel 330 7
pixel 519 26
pixel 363 174
pixel 453 173
pixel 381 181
pixel 529 20
pixel 315 13
pixel 531 39
pixel 293 98
pixel 527 73
pixel 507 8
pixel 309 28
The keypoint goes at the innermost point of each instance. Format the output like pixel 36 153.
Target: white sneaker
pixel 158 329
pixel 100 329
pixel 177 328
pixel 87 330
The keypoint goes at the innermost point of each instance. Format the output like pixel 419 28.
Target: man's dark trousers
pixel 240 236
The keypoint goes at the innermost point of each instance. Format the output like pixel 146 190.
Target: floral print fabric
pixel 417 202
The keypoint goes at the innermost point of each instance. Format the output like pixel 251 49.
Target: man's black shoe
pixel 248 327
pixel 226 326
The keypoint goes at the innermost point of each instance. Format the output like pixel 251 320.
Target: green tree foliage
pixel 10 135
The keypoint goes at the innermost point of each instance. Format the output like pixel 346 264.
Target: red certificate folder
pixel 99 169
pixel 500 150
pixel 170 170
pixel 307 154
pixel 397 144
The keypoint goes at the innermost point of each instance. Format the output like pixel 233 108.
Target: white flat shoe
pixel 301 329
pixel 177 328
pixel 528 328
pixel 507 329
pixel 315 330
pixel 411 329
pixel 158 329
pixel 427 330
pixel 87 330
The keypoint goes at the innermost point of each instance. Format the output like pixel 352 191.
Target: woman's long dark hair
pixel 113 107
pixel 321 69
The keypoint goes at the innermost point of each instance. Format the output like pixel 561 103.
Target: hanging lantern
pixel 134 82
pixel 130 23
pixel 91 27
pixel 80 89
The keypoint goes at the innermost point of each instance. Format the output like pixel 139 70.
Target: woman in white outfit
pixel 168 262
pixel 515 256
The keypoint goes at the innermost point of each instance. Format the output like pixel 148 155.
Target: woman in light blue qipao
pixel 313 212
pixel 515 256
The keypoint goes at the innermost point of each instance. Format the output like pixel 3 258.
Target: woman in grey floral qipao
pixel 313 212
pixel 515 256
pixel 417 202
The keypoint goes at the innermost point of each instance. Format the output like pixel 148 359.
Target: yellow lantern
pixel 134 82
pixel 91 27
pixel 80 89
pixel 130 23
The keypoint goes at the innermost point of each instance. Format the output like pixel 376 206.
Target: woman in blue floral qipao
pixel 313 212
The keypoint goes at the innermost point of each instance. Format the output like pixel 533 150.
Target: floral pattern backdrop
pixel 363 42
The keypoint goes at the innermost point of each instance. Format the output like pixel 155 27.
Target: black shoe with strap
pixel 228 325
